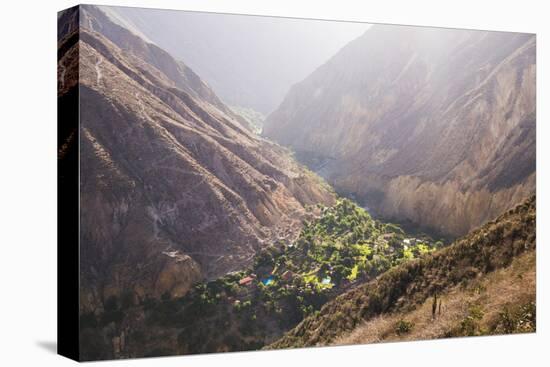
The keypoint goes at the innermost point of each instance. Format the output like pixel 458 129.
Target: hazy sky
pixel 249 61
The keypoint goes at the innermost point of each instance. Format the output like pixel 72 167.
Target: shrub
pixel 521 319
pixel 403 327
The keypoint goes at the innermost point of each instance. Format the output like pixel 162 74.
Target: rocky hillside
pixel 424 125
pixel 174 187
pixel 482 284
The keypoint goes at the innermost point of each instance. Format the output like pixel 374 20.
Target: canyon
pixel 387 180
pixel 437 130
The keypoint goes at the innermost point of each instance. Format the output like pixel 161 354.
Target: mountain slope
pixel 173 187
pixel 432 126
pixel 503 302
pixel 410 286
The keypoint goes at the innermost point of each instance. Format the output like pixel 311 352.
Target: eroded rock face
pixel 173 186
pixel 433 126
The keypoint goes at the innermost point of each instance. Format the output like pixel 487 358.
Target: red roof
pixel 246 281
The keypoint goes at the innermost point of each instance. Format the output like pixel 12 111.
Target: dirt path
pixel 98 70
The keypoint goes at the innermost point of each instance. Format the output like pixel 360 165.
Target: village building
pixel 247 280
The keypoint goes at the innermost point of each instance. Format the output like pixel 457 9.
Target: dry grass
pixel 413 284
pixel 488 296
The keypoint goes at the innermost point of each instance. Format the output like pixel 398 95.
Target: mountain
pixel 249 61
pixel 482 284
pixel 428 126
pixel 174 187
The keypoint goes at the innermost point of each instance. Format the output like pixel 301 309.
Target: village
pixel 344 247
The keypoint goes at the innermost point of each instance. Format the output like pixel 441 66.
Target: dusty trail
pixel 98 70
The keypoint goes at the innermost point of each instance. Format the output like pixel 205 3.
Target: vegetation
pixel 401 289
pixel 512 318
pixel 403 327
pixel 515 319
pixel 469 326
pixel 346 244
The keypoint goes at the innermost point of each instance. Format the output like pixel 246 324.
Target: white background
pixel 28 182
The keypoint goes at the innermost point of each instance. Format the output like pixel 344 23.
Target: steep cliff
pixel 433 126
